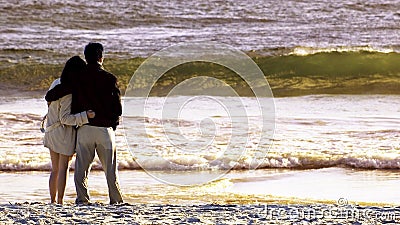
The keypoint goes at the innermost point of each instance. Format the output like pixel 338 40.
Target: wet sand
pixel 40 213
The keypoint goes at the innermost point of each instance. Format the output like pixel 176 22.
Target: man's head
pixel 94 52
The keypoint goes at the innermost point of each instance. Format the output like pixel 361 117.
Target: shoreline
pixel 139 188
pixel 97 213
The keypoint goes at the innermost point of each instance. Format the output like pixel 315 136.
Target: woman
pixel 60 135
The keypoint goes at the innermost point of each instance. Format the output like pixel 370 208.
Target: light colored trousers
pixel 102 140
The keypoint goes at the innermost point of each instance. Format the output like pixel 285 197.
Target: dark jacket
pixel 97 90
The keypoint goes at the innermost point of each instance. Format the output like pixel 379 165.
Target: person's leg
pixel 85 152
pixel 106 151
pixel 63 170
pixel 53 176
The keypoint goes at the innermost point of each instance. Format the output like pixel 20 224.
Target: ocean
pixel 140 28
pixel 332 66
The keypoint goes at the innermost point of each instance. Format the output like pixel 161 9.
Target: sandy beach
pixel 39 213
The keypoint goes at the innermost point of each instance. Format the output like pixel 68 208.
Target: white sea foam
pixel 304 51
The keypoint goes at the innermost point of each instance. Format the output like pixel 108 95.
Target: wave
pixel 300 71
pixel 339 71
pixel 184 163
pixel 360 162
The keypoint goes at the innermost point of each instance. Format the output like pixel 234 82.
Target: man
pixel 96 90
pixel 99 92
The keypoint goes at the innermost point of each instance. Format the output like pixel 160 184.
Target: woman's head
pixel 72 70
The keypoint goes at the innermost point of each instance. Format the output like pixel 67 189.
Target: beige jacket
pixel 60 135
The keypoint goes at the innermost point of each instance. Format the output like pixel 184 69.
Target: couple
pixel 86 97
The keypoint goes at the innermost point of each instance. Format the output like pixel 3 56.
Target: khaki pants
pixel 101 139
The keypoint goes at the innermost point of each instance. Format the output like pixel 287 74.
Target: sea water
pixel 325 147
pixel 50 31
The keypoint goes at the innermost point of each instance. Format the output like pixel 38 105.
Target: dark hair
pixel 93 52
pixel 72 70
